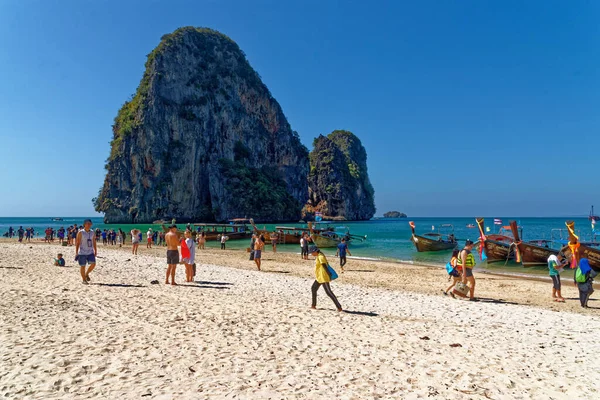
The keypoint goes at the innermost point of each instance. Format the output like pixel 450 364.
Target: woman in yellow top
pixel 322 278
pixel 467 261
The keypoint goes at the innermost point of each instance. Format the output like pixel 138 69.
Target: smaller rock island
pixel 394 214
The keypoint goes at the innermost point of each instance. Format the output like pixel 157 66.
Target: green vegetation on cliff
pixel 339 184
pixel 257 192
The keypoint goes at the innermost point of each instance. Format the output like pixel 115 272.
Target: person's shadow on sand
pixel 363 313
pixel 124 285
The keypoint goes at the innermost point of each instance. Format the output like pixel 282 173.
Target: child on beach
pixel 454 272
pixel 555 267
pixel 59 261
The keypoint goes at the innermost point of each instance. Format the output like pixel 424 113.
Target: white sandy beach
pixel 239 333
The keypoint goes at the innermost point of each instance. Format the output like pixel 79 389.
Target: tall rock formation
pixel 202 139
pixel 338 182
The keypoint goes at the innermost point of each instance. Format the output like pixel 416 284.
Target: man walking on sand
pixel 341 251
pixel 85 250
pixel 172 253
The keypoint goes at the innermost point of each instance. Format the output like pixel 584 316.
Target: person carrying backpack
pixel 454 272
pixel 324 274
pixel 583 281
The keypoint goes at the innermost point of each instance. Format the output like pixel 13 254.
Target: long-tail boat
pixel 331 237
pixel 434 241
pixel 497 246
pixel 215 231
pixel 533 252
pixel 290 235
pixel 575 250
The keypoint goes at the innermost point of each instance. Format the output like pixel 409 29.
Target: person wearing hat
pixel 467 261
pixel 149 238
pixel 172 253
pixel 322 278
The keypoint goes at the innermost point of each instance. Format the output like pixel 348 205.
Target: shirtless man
pixel 172 253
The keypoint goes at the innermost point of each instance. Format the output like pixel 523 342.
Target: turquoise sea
pixel 387 239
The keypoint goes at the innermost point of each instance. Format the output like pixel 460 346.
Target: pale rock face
pixel 199 100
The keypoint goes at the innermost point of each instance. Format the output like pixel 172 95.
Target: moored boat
pixel 533 252
pixel 332 237
pixel 215 231
pixel 497 246
pixel 580 250
pixel 290 235
pixel 434 241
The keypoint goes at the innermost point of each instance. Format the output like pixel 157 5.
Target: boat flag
pixel 497 221
pixel 573 244
pixel 318 216
pixel 412 224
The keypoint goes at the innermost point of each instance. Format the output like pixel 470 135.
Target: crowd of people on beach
pixel 460 273
pixel 183 251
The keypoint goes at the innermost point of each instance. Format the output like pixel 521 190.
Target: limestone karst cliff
pixel 202 139
pixel 338 182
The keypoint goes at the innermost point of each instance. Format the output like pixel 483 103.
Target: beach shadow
pixel 363 313
pixel 360 270
pixel 203 286
pixel 125 285
pixel 213 283
pixel 279 272
pixel 12 267
pixel 496 301
pixel 577 298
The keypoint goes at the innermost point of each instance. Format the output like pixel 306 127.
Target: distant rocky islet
pixel 203 139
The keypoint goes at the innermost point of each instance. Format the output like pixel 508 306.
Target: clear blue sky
pixel 465 107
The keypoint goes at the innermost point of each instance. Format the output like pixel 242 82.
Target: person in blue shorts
pixel 85 250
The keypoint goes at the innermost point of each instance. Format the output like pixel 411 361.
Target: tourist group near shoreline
pixel 183 251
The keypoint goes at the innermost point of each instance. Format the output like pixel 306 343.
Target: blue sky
pixel 465 107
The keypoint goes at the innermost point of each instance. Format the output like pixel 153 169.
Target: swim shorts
pixel 83 259
pixel 257 254
pixel 555 281
pixel 469 272
pixel 172 257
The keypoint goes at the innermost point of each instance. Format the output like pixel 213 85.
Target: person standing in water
pixel 172 253
pixel 189 261
pixel 85 250
pixel 466 260
pixel 322 278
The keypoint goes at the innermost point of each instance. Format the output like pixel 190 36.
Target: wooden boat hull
pixel 591 253
pixel 497 251
pixel 423 244
pixel 212 236
pixel 324 242
pixel 532 255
